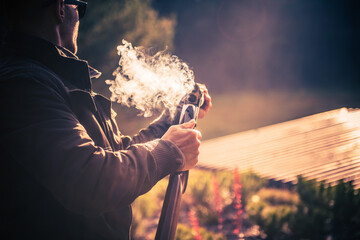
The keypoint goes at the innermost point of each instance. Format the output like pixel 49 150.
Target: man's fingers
pixel 193 134
pixel 206 106
pixel 207 103
pixel 187 139
pixel 188 125
pixel 199 135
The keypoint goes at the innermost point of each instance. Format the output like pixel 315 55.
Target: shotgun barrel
pixel 177 182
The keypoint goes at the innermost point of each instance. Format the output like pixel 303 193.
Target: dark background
pixel 262 44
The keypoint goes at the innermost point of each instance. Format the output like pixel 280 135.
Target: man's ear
pixel 60 10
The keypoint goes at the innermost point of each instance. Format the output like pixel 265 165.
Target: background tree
pixel 108 22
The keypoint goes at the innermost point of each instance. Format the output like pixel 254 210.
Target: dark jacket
pixel 66 170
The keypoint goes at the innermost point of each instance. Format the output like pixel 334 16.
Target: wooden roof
pixel 325 146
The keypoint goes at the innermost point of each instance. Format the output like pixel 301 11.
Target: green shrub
pixel 272 209
pixel 145 207
pixel 315 212
pixel 345 222
pixel 183 232
pixel 326 210
pixel 251 183
pixel 311 220
pixel 199 195
pixel 186 233
pixel 200 192
pixel 275 196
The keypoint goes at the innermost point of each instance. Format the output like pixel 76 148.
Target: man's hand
pixel 188 140
pixel 207 102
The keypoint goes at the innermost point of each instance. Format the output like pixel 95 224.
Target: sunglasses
pixel 81 5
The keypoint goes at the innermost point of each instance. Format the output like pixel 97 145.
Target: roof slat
pixel 324 146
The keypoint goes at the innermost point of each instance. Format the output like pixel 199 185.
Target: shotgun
pixel 177 182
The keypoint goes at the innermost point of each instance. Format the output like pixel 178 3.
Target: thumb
pixel 189 125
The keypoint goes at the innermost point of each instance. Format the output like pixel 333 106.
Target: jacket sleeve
pixel 156 129
pixel 40 131
pixel 159 126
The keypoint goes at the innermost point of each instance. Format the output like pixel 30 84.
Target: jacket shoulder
pixel 15 69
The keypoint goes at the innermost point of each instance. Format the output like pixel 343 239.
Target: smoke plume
pixel 150 82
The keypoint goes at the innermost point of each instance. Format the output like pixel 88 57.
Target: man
pixel 66 171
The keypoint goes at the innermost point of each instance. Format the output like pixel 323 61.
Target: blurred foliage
pixel 108 22
pixel 326 211
pixel 345 222
pixel 200 192
pixel 271 209
pixel 277 196
pixel 311 221
pixel 186 233
pixel 251 183
pixel 311 211
pixel 199 196
pixel 146 209
pixel 315 211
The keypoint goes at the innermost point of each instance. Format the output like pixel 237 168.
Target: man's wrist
pixel 169 158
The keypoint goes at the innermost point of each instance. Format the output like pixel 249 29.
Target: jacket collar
pixel 76 73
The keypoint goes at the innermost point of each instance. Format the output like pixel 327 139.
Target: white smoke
pixel 150 82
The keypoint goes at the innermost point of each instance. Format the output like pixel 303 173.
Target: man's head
pixel 54 20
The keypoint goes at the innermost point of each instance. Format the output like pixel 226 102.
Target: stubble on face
pixel 76 33
pixel 70 28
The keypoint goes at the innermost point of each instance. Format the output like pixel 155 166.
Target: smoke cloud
pixel 150 82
